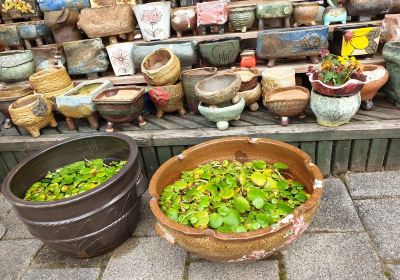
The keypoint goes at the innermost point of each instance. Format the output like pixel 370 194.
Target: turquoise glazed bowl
pixel 16 65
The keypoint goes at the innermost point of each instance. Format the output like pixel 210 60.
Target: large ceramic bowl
pixel 216 246
pixel 16 65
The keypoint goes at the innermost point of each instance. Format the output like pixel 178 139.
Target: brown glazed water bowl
pixel 236 247
pixel 91 223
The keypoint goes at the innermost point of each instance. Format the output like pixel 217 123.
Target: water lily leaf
pixel 240 229
pixel 282 185
pixel 258 203
pixel 301 196
pixel 204 201
pixel 255 225
pixel 172 214
pixel 259 164
pixel 223 210
pixel 254 193
pixel 258 179
pixel 202 219
pixel 216 220
pixel 285 208
pixel 263 219
pixel 242 179
pixel 194 219
pixel 241 204
pixel 232 219
pixel 227 193
pixel 280 165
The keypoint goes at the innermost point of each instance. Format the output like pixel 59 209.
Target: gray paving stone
pixel 15 228
pixel 381 219
pixel 395 271
pixel 146 258
pixel 58 274
pixel 147 220
pixel 266 270
pixel 332 256
pixel 375 184
pixel 336 212
pixel 5 207
pixel 15 256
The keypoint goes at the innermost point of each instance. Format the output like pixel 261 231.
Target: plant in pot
pixel 335 96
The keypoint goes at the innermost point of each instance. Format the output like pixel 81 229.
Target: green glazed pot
pixel 242 18
pixel 220 52
pixel 16 65
pixel 391 53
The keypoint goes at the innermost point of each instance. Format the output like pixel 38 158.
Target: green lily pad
pixel 258 179
pixel 241 204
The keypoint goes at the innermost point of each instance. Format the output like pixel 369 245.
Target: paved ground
pixel 356 235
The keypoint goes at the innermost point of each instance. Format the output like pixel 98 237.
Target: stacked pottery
pixel 250 89
pixel 161 69
pixel 391 53
pixel 220 99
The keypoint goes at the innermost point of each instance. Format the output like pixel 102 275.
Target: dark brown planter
pixel 93 222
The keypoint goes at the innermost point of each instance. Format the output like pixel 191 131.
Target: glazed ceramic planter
pixel 251 97
pixel 161 67
pixel 32 112
pixel 304 13
pixel 103 3
pixel 63 25
pixel 51 5
pixel 356 40
pixel 154 20
pixel 370 8
pixel 51 82
pixel 287 102
pixel 277 78
pixel 248 59
pixel 184 19
pixel 186 51
pixel 120 104
pixel 35 31
pixel 16 65
pixel 334 14
pixel 242 18
pixel 220 52
pixel 168 99
pixel 48 56
pixel 9 94
pixel 189 80
pixel 32 11
pixel 286 43
pixel 116 20
pixel 10 38
pixel 92 60
pixel 91 223
pixel 274 10
pixel 238 247
pixel 77 103
pixel 219 89
pixel 121 58
pixel 377 76
pixel 390 28
pixel 212 14
pixel 391 53
pixel 248 77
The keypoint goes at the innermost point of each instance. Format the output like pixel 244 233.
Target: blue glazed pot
pixel 334 14
pixel 57 5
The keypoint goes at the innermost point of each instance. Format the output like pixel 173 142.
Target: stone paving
pixel 356 235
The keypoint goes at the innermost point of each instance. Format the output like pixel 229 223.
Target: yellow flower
pixel 355 40
pixel 342 60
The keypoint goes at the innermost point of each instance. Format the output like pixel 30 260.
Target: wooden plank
pixel 324 156
pixel 182 120
pixel 394 112
pixel 381 115
pixel 12 131
pixel 177 150
pixel 393 155
pixel 265 116
pixel 3 169
pixel 255 120
pixel 9 159
pixel 359 154
pixel 239 123
pixel 295 144
pixel 163 123
pixel 164 154
pixel 63 128
pixel 20 156
pixel 200 120
pixel 309 148
pixel 150 160
pixel 359 117
pixel 341 156
pixel 377 154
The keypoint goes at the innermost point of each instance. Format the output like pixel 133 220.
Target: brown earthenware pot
pixel 63 25
pixel 184 19
pixel 377 76
pixel 236 247
pixel 248 76
pixel 8 95
pixel 390 28
pixel 168 99
pixel 251 97
pixel 304 13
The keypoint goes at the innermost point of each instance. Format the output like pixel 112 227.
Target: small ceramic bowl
pixel 251 97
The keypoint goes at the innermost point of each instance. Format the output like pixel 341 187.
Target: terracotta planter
pixel 212 14
pixel 154 20
pixel 285 43
pixel 219 89
pixel 377 76
pixel 220 52
pixel 351 40
pixel 304 13
pixel 103 3
pixel 242 18
pixel 63 25
pixel 274 10
pixel 121 58
pixel 370 8
pixel 77 103
pixel 277 78
pixel 10 37
pixel 168 99
pixel 189 80
pixel 120 104
pixel 390 28
pixel 184 19
pixel 51 5
pixel 248 77
pixel 16 65
pixel 11 14
pixel 93 60
pixel 35 31
pixel 391 53
pixel 91 223
pixel 251 97
pixel 32 112
pixel 161 67
pixel 287 102
pixel 48 56
pixel 117 20
pixel 237 247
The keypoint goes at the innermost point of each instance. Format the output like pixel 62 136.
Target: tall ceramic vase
pixel 154 20
pixel 391 53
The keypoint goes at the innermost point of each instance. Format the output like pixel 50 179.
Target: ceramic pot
pixel 117 20
pixel 120 104
pixel 238 247
pixel 334 14
pixel 32 112
pixel 121 58
pixel 189 80
pixel 242 18
pixel 35 31
pixel 370 8
pixel 168 99
pixel 274 10
pixel 161 67
pixel 63 25
pixel 91 223
pixel 334 111
pixel 48 56
pixel 154 20
pixel 351 40
pixel 286 43
pixel 251 97
pixel 390 28
pixel 214 13
pixel 248 59
pixel 50 80
pixel 219 89
pixel 277 78
pixel 185 3
pixel 9 94
pixel 32 12
pixel 391 53
pixel 9 37
pixel 304 13
pixel 92 60
pixel 184 19
pixel 186 51
pixel 248 77
pixel 287 102
pixel 103 3
pixel 220 52
pixel 16 65
pixel 377 76
pixel 77 103
pixel 51 5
